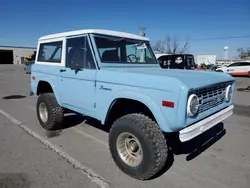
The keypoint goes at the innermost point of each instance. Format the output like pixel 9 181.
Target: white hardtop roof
pixel 159 55
pixel 94 31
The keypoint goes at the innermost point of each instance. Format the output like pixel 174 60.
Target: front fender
pixel 42 78
pixel 148 101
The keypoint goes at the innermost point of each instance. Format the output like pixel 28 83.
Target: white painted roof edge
pixel 94 31
pixel 160 54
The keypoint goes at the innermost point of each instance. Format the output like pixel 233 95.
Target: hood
pixel 158 78
pixel 191 78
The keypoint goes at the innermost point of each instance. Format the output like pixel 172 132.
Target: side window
pixel 149 58
pixel 233 65
pixel 164 60
pixel 79 53
pixel 109 50
pixel 177 62
pixel 236 64
pixel 50 52
pixel 245 64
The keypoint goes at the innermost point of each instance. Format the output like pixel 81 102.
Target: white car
pixel 236 69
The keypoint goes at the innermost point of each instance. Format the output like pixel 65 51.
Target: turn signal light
pixel 168 104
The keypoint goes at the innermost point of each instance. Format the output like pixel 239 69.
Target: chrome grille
pixel 211 96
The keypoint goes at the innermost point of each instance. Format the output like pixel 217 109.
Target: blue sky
pixel 22 22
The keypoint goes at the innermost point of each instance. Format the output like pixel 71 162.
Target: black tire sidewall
pixel 147 164
pixel 48 100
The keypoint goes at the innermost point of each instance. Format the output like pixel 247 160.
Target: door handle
pixel 62 70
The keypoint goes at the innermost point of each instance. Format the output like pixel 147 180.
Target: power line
pixel 220 38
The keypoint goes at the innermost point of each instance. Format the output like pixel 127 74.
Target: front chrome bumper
pixel 198 128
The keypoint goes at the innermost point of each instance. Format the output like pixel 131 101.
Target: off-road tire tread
pixel 152 131
pixel 57 111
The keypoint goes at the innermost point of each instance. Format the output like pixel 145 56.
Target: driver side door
pixel 78 77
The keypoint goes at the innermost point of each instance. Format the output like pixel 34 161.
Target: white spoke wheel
pixel 43 112
pixel 129 149
pixel 137 146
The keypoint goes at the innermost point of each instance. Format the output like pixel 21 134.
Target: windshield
pixel 190 61
pixel 123 50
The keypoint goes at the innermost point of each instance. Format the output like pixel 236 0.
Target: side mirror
pixel 76 67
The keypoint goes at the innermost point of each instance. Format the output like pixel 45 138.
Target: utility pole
pixel 142 31
pixel 143 51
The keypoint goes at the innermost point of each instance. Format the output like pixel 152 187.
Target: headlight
pixel 228 93
pixel 192 105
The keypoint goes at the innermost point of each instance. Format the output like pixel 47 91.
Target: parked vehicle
pixel 29 61
pixel 236 69
pixel 114 77
pixel 28 66
pixel 176 61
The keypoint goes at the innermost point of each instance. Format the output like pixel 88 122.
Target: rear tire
pixel 50 114
pixel 151 143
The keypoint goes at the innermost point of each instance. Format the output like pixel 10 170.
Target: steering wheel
pixel 135 59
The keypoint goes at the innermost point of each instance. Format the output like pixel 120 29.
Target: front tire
pixel 138 147
pixel 50 114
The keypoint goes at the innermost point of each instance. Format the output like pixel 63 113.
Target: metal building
pixel 14 54
pixel 206 59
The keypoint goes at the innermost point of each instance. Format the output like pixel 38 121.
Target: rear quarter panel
pixel 46 73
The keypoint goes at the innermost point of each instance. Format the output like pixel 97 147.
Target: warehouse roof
pixel 17 47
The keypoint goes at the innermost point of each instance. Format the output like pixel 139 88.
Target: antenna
pixel 225 52
pixel 142 31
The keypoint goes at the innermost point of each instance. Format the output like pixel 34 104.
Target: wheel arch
pixel 153 110
pixel 47 86
pixel 220 69
pixel 119 101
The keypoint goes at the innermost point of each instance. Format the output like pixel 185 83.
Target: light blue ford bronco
pixel 114 77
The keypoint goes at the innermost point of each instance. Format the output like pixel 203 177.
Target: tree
pixel 243 53
pixel 170 46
